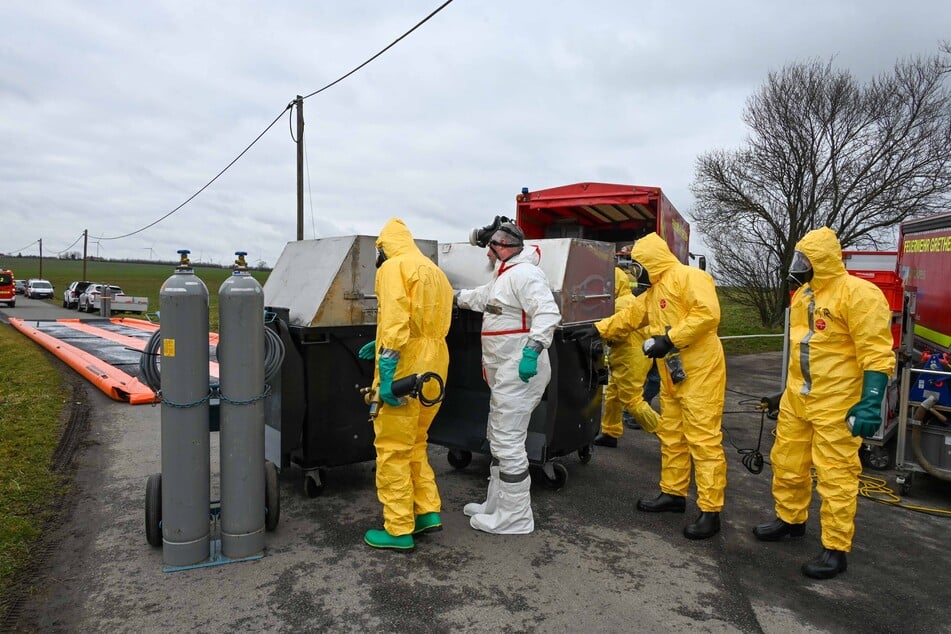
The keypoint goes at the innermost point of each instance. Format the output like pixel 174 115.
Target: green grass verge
pixel 739 320
pixel 32 399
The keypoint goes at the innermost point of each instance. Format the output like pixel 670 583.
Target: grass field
pixel 32 400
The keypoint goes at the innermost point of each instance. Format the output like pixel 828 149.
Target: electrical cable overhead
pixel 70 246
pixel 385 49
pixel 271 125
pixel 23 247
pixel 203 187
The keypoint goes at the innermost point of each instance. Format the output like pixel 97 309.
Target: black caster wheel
pixel 272 497
pixel 904 483
pixel 459 458
pixel 584 454
pixel 153 509
pixel 554 475
pixel 313 483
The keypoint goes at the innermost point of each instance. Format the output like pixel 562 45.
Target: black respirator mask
pixel 800 271
pixel 640 274
pixel 380 257
pixel 480 236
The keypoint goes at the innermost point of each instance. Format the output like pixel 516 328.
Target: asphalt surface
pixel 594 563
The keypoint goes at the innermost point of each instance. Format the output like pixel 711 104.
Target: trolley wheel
pixel 584 454
pixel 153 509
pixel 272 497
pixel 313 482
pixel 878 457
pixel 554 475
pixel 459 458
pixel 904 482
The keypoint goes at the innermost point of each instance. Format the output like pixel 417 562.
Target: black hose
pixel 149 361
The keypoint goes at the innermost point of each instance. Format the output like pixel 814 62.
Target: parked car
pixel 88 297
pixel 20 287
pixel 39 289
pixel 72 293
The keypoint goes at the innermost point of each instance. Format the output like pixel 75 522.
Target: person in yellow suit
pixel 629 367
pixel 840 359
pixel 682 312
pixel 414 312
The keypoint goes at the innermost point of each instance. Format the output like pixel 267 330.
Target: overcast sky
pixel 112 114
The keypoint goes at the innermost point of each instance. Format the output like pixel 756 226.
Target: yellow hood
pixel 395 239
pixel 654 255
pixel 822 248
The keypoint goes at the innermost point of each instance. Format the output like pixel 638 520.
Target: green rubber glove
pixel 866 415
pixel 528 366
pixel 368 351
pixel 387 367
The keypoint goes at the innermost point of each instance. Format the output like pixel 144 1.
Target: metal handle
pixel 584 298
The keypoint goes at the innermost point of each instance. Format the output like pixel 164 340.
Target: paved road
pixel 593 564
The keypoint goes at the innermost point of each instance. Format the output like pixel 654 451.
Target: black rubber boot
pixel 603 440
pixel 826 565
pixel 663 502
pixel 706 526
pixel 777 530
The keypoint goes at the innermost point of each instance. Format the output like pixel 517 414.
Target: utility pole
pixel 299 104
pixel 85 244
pixel 41 258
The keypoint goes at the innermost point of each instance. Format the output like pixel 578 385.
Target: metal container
pixel 322 292
pixel 328 282
pixel 580 273
pixel 186 470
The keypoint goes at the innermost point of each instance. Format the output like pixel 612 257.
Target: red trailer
pixel 603 212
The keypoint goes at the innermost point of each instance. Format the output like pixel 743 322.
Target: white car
pixel 39 289
pixel 88 299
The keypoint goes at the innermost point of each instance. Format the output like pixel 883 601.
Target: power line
pixel 391 45
pixel 70 246
pixel 271 125
pixel 24 247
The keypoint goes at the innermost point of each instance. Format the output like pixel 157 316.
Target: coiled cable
pixel 274 352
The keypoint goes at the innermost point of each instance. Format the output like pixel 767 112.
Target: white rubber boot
pixel 491 496
pixel 513 515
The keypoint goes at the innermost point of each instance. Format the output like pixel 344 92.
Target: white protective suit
pixel 518 308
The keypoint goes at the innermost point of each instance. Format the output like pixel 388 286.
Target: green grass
pixel 138 279
pixel 737 320
pixel 32 399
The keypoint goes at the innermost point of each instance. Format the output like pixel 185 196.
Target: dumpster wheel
pixel 459 458
pixel 554 475
pixel 313 482
pixel 584 454
pixel 272 497
pixel 153 509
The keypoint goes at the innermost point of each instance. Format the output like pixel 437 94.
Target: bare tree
pixel 824 151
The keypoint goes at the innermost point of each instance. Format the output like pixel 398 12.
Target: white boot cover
pixel 513 514
pixel 491 496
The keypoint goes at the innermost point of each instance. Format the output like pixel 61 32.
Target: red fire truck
pixel 8 294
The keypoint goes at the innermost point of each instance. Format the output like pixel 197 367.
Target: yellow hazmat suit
pixel 839 327
pixel 629 367
pixel 415 310
pixel 683 299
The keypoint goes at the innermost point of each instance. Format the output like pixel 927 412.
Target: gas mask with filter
pixel 480 236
